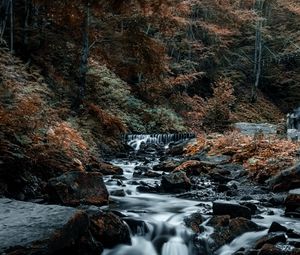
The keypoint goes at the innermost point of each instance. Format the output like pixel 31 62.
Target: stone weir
pixel 135 140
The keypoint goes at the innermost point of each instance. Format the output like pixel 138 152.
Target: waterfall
pixel 135 140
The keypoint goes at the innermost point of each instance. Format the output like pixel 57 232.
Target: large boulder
pixel 74 188
pixel 287 179
pixel 166 166
pixel 176 182
pixel 292 203
pixel 226 229
pixel 28 228
pixel 109 229
pixel 232 209
pixel 252 129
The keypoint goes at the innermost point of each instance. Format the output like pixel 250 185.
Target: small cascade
pixel 136 140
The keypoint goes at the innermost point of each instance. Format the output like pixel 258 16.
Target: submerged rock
pixel 176 182
pixel 226 229
pixel 231 208
pixel 74 188
pixel 193 221
pixel 28 228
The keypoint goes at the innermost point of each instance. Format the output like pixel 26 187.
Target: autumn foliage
pixel 261 156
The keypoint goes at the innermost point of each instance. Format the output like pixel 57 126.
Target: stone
pixel 108 229
pixel 227 229
pixel 287 179
pixel 118 193
pixel 166 166
pixel 176 182
pixel 74 188
pixel 194 167
pixel 193 221
pixel 233 209
pixel 252 129
pixel 106 168
pixel 270 249
pixel 271 238
pixel 178 148
pixel 137 226
pixel 276 227
pixel 292 203
pixel 29 228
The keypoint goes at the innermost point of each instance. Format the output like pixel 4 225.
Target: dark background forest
pixel 75 75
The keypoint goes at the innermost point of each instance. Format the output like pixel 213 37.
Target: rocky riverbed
pixel 155 200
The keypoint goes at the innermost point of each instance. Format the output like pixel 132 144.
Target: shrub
pixel 218 114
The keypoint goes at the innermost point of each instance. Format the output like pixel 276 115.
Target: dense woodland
pixel 76 77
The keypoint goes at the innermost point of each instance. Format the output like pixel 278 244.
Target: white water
pixel 164 215
pixel 135 141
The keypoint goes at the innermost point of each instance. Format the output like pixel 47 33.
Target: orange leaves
pixel 262 157
pixel 66 137
pixel 111 123
pixel 201 144
pixel 218 113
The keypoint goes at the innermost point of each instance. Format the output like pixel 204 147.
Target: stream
pixel 157 220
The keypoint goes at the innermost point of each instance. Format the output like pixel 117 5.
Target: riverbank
pixel 160 200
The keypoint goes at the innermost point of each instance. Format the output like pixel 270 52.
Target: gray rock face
pixel 233 209
pixel 74 188
pixel 28 228
pixel 254 128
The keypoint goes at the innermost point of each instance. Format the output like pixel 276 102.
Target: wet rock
pixel 231 208
pixel 277 200
pixel 222 188
pixel 272 238
pixel 292 203
pixel 152 174
pixel 270 249
pixel 193 221
pixel 142 168
pixel 28 228
pixel 226 229
pixel 106 168
pixel 74 188
pixel 276 227
pixel 108 229
pixel 118 193
pixel 137 226
pixel 291 233
pixel 287 179
pixel 145 187
pixel 219 178
pixel 193 167
pixel 177 148
pixel 176 182
pixel 251 206
pixel 166 166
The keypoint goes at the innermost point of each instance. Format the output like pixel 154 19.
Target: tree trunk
pixel 11 26
pixel 84 54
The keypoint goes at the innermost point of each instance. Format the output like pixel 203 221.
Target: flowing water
pixel 157 220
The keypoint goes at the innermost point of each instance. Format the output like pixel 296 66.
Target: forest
pixel 139 127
